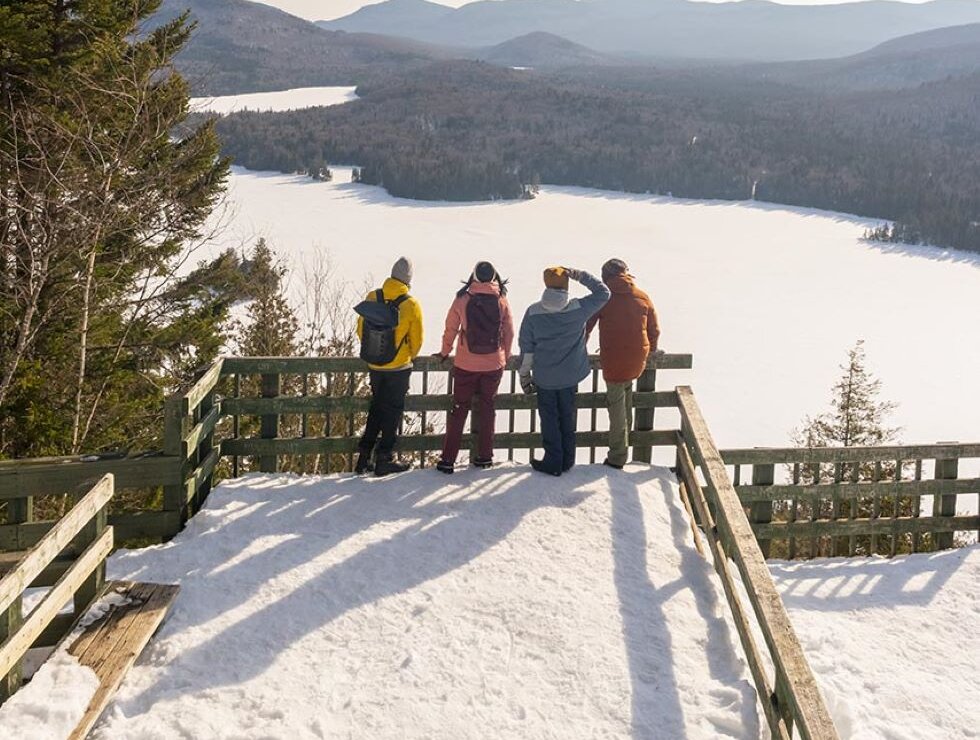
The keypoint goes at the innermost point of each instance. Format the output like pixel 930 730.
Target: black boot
pixel 538 465
pixel 363 464
pixel 445 467
pixel 387 465
pixel 483 462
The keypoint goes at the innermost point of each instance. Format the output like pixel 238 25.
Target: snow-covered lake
pixel 768 298
pixel 281 100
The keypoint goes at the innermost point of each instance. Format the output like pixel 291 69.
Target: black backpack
pixel 483 324
pixel 378 345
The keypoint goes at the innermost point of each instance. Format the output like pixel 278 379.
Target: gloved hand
pixel 573 274
pixel 527 384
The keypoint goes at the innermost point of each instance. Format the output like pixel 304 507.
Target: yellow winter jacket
pixel 408 334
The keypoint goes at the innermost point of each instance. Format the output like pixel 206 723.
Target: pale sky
pixel 317 10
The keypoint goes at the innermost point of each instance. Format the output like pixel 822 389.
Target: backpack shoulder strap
pixel 379 295
pixel 400 300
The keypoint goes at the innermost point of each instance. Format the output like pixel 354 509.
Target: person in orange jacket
pixel 628 332
pixel 480 319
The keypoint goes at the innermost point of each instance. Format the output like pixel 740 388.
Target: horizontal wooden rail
pixel 311 365
pixel 320 404
pixel 419 442
pixel 796 701
pixel 58 475
pixel 812 455
pixel 881 525
pixel 849 491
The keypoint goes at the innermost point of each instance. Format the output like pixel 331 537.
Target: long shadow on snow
pixel 836 584
pixel 656 705
pixel 442 536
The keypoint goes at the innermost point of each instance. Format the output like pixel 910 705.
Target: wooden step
pixel 111 644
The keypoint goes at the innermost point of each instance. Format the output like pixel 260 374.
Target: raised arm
pixel 599 294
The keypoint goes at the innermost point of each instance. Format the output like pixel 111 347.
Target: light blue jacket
pixel 553 334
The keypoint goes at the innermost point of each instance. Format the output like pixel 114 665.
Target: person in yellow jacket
pixel 389 382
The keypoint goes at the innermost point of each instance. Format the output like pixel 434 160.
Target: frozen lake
pixel 281 100
pixel 768 298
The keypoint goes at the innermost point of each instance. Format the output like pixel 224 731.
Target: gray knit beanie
pixel 402 270
pixel 613 268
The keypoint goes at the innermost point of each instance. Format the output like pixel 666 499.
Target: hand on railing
pixel 527 384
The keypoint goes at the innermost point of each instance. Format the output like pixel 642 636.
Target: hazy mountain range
pixel 750 30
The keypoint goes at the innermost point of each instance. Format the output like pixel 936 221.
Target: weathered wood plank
pixel 302 365
pixel 128 526
pixel 416 442
pixel 14 649
pixel 688 476
pixel 320 404
pixel 813 455
pixel 851 491
pixel 201 430
pixel 809 711
pixel 111 645
pixel 13 584
pixel 192 398
pixel 884 525
pixel 68 474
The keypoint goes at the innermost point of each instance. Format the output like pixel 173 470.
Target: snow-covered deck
pixel 496 604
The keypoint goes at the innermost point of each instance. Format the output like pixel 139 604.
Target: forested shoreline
pixel 470 131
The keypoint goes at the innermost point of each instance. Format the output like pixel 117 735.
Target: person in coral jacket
pixel 628 332
pixel 480 319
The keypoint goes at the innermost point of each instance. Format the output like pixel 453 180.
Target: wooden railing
pixel 786 686
pixel 83 539
pixel 338 406
pixel 856 500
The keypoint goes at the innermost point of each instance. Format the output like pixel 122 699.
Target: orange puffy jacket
pixel 628 330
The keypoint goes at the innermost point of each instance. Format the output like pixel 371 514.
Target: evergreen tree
pixel 100 201
pixel 857 418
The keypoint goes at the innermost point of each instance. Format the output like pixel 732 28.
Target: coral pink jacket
pixel 456 326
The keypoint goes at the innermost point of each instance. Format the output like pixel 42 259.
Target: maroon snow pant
pixel 467 385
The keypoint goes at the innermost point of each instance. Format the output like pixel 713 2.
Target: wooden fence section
pixel 336 407
pixel 856 500
pixel 84 530
pixel 786 686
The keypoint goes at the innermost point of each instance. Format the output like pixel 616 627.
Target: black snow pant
pixel 388 390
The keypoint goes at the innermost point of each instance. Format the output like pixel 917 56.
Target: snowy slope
pixel 497 604
pixel 768 298
pixel 894 643
pixel 281 100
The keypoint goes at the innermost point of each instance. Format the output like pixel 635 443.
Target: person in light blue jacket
pixel 554 360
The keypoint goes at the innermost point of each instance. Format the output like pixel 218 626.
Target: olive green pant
pixel 620 403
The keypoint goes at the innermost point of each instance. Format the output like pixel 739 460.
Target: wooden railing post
pixel 643 418
pixel 270 422
pixel 175 428
pixel 204 449
pixel 10 620
pixel 945 505
pixel 760 512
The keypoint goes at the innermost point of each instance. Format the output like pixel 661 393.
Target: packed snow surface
pixel 52 704
pixel 894 643
pixel 768 298
pixel 282 100
pixel 492 604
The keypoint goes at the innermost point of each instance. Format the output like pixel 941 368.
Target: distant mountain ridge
pixel 900 63
pixel 750 30
pixel 541 50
